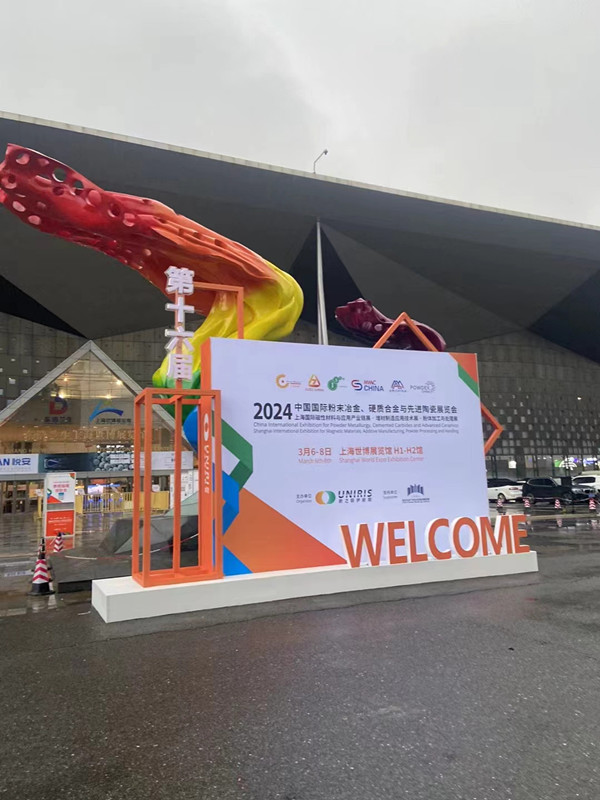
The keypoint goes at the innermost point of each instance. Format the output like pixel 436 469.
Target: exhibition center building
pixel 80 332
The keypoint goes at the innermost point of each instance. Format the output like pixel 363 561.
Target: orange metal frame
pixel 406 320
pixel 210 545
pixel 239 293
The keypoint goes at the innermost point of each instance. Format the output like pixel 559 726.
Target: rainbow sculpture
pixel 149 237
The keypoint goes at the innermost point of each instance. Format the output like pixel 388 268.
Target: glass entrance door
pixel 15 497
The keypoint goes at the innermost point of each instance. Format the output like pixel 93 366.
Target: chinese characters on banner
pixel 347 438
pixel 59 508
pixel 180 282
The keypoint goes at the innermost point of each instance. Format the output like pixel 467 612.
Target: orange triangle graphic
pixel 265 540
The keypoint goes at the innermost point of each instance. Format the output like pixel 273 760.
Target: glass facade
pixel 546 397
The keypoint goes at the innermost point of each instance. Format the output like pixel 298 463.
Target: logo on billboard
pixel 325 498
pixel 104 408
pixel 426 388
pixel 334 383
pixel 397 386
pixel 415 493
pixel 314 382
pixel 283 382
pixel 366 386
pixel 328 497
pixel 57 405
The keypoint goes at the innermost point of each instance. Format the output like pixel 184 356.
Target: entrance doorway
pixel 19 497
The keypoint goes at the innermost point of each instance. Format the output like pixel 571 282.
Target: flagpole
pixel 321 312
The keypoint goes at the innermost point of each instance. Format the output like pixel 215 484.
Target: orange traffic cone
pixel 526 503
pixel 592 503
pixel 557 504
pixel 41 577
pixel 58 543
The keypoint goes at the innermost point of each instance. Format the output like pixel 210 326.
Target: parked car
pixel 549 489
pixel 588 480
pixel 503 489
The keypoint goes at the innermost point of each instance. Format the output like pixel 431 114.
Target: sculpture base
pixel 120 599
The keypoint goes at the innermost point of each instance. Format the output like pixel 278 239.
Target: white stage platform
pixel 120 599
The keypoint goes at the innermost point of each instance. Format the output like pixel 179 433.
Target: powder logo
pixel 415 493
pixel 397 386
pixel 426 388
pixel 314 382
pixel 325 498
pixel 334 383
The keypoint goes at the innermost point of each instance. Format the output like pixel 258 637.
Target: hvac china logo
pixel 325 498
pixel 366 386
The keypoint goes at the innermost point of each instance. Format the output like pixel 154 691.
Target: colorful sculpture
pixel 361 319
pixel 149 237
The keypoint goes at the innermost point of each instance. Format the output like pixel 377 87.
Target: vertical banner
pixel 59 508
pixel 205 482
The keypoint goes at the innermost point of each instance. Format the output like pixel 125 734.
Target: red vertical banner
pixel 59 508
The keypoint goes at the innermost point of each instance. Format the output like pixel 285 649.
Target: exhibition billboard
pixel 347 455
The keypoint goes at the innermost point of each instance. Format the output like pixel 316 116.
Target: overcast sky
pixel 486 101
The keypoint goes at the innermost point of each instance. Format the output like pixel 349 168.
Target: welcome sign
pixel 350 456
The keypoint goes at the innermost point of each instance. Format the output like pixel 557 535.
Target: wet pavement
pixel 484 689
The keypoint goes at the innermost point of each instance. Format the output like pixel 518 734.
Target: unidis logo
pixel 397 386
pixel 104 408
pixel 415 493
pixel 366 386
pixel 57 405
pixel 325 498
pixel 314 382
pixel 283 382
pixel 334 383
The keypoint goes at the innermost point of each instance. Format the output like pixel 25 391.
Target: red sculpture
pixel 144 234
pixel 367 324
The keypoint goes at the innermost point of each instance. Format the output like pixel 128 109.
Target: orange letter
pixel 519 519
pixel 430 535
pixel 502 531
pixel 456 526
pixel 487 532
pixel 394 542
pixel 363 539
pixel 412 545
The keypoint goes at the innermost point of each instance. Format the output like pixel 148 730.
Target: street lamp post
pixel 321 313
pixel 321 154
pixel 323 337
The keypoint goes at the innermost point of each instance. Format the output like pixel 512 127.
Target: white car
pixel 504 489
pixel 593 481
